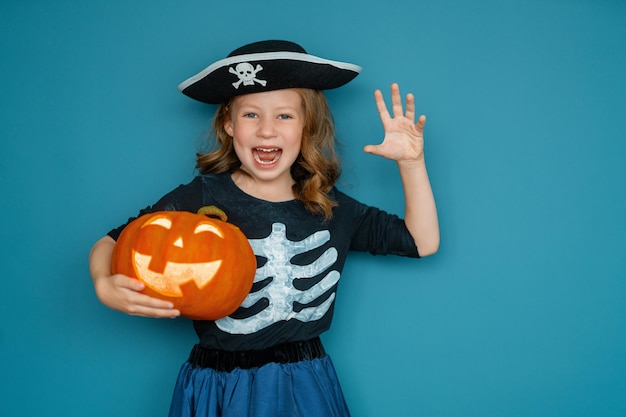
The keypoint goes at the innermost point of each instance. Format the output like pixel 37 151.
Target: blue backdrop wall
pixel 521 312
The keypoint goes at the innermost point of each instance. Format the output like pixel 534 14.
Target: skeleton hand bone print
pixel 280 291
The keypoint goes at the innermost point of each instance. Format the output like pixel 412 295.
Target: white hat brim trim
pixel 266 56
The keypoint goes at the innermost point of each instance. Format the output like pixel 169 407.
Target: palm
pixel 404 138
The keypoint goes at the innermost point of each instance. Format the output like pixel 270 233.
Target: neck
pixel 275 191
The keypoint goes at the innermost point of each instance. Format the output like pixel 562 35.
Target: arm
pixel 123 293
pixel 404 143
pixel 120 292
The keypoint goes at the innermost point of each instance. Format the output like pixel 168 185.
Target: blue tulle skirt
pixel 307 388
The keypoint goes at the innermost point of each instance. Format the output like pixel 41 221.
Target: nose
pixel 266 128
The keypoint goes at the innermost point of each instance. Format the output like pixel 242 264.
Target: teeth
pixel 258 151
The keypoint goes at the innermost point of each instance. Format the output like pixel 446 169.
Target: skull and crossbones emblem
pixel 247 74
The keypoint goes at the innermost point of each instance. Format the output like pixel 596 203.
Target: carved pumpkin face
pixel 203 265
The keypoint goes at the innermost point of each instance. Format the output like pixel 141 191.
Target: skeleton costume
pixel 266 359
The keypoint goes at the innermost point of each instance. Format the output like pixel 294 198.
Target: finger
pixel 410 107
pixel 153 312
pixel 421 122
pixel 143 305
pixel 378 150
pixel 396 100
pixel 371 149
pixel 127 282
pixel 381 106
pixel 151 302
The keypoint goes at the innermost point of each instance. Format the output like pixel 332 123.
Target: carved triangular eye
pixel 159 221
pixel 205 227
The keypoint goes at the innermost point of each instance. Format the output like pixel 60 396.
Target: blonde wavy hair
pixel 315 171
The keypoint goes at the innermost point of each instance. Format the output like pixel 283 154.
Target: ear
pixel 228 127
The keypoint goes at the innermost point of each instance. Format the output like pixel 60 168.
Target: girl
pixel 273 171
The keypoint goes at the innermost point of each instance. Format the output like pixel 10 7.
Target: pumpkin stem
pixel 213 211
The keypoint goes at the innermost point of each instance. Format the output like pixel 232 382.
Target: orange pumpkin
pixel 204 266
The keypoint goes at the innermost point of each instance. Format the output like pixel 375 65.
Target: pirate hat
pixel 265 66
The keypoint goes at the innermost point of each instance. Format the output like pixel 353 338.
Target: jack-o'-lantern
pixel 203 265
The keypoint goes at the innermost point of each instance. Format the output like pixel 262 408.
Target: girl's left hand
pixel 404 138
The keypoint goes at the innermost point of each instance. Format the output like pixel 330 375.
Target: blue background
pixel 521 313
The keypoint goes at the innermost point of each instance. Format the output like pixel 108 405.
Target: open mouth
pixel 266 156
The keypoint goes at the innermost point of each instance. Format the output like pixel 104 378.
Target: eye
pixel 249 116
pixel 159 221
pixel 285 117
pixel 208 228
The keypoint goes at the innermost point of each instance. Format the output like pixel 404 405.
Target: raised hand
pixel 404 143
pixel 404 138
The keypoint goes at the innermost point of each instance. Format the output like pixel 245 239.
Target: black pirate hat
pixel 265 66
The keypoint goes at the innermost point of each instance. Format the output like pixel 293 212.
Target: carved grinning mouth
pixel 175 274
pixel 266 156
